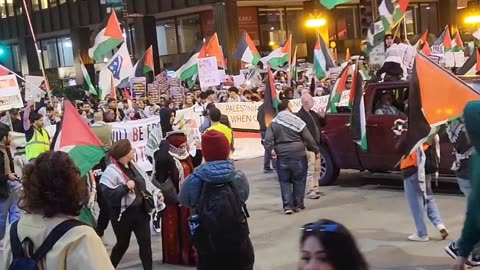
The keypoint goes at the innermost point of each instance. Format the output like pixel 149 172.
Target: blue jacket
pixel 216 172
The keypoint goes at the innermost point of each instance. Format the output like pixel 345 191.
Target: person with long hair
pixel 52 196
pixel 172 165
pixel 131 197
pixel 327 245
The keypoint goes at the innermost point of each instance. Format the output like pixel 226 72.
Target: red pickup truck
pixel 340 152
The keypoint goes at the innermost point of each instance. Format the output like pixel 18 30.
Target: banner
pixel 137 133
pixel 32 92
pixel 138 86
pixel 10 96
pixel 208 72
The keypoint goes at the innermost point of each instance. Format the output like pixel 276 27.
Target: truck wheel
pixel 329 171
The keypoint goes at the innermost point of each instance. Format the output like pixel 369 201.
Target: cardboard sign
pixel 377 56
pixel 32 88
pixel 138 86
pixel 10 96
pixel 178 95
pixel 208 72
pixel 437 50
pixel 154 92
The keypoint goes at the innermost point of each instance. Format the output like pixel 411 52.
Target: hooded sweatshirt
pixel 471 227
pixel 213 172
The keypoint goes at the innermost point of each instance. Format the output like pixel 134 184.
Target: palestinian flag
pixel 428 109
pixel 457 43
pixel 293 66
pixel 4 71
pixel 246 50
pixel 107 38
pixel 445 39
pixel 338 89
pixel 322 61
pixel 426 50
pixel 213 49
pixel 86 78
pixel 375 35
pixel 357 118
pixel 471 66
pixel 270 101
pixel 76 138
pixel 332 3
pixel 422 40
pixel 392 13
pixel 189 70
pixel 280 56
pixel 144 64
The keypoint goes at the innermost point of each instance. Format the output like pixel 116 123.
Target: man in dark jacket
pixel 287 137
pixel 8 183
pixel 314 123
pixel 267 157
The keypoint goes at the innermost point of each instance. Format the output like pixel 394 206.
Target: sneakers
pixel 299 209
pixel 443 231
pixel 452 250
pixel 269 170
pixel 415 238
pixel 475 260
pixel 156 222
pixel 288 211
pixel 312 195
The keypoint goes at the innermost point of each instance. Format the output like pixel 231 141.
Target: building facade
pixel 175 27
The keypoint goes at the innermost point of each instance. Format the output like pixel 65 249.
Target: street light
pixel 472 19
pixel 315 23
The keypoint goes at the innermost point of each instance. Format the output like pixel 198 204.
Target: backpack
pixel 22 261
pixel 222 218
pixel 432 162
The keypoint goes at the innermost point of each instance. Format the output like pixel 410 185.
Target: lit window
pixel 49 53
pixel 167 38
pixel 65 52
pixel 189 32
pixel 35 5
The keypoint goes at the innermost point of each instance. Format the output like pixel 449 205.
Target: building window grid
pixel 58 57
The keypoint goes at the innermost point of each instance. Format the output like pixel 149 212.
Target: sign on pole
pixel 208 72
pixel 10 96
pixel 32 92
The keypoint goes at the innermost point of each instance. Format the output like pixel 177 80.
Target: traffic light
pixel 366 16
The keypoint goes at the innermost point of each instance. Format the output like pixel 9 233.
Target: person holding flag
pixel 37 138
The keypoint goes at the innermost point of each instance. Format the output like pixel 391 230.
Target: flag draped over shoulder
pixel 144 64
pixel 75 137
pixel 322 60
pixel 246 50
pixel 435 97
pixel 270 100
pixel 280 56
pixel 107 38
pixel 358 122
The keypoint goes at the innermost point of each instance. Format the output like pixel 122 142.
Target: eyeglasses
pixel 320 227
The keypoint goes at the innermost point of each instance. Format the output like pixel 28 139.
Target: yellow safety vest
pixel 39 144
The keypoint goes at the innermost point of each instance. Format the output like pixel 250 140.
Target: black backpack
pixel 222 218
pixel 22 261
pixel 432 162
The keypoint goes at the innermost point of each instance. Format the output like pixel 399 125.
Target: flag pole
pixel 405 27
pixel 40 62
pixel 18 76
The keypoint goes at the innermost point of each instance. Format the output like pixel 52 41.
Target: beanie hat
pixel 120 149
pixel 215 146
pixel 176 138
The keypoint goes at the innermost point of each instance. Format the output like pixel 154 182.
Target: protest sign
pixel 208 72
pixel 178 94
pixel 32 88
pixel 437 50
pixel 10 96
pixel 137 133
pixel 344 99
pixel 154 92
pixel 377 55
pixel 138 86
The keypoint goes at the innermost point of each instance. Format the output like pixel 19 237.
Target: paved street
pixel 374 209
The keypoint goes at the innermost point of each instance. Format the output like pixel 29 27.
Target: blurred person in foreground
pixel 327 245
pixel 52 197
pixel 471 227
pixel 267 157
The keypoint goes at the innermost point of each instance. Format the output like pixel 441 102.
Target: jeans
pixel 8 207
pixel 417 204
pixel 313 172
pixel 465 186
pixel 292 175
pixel 267 157
pixel 135 220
